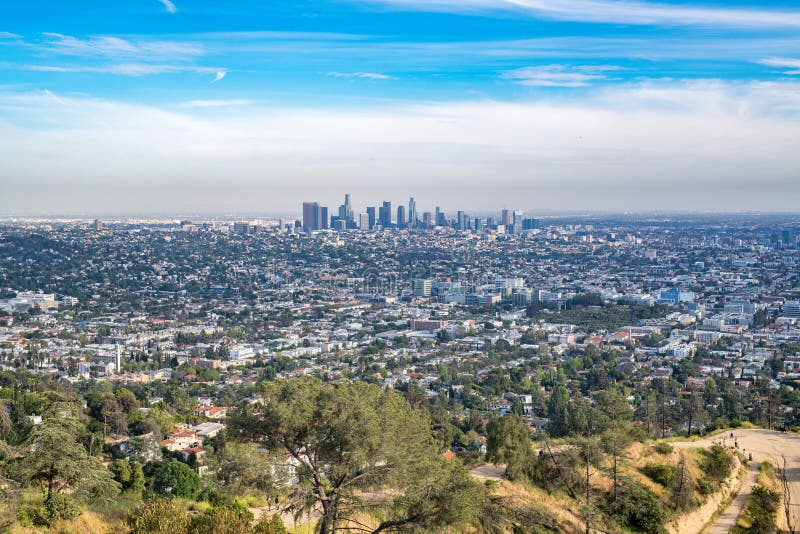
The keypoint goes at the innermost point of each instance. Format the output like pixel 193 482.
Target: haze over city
pixel 199 107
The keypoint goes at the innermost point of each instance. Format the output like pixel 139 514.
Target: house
pixel 213 412
pixel 207 430
pixel 181 438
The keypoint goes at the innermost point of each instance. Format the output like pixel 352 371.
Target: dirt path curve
pixel 488 472
pixel 725 522
pixel 764 445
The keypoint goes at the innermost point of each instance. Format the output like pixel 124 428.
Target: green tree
pixel 137 482
pixel 178 479
pixel 346 437
pixel 558 411
pixel 59 463
pixel 122 472
pixel 509 442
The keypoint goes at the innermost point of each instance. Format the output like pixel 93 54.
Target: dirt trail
pixel 764 445
pixel 488 472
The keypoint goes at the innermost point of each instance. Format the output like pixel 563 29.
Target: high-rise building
pixel 315 217
pixel 346 210
pixel 401 216
pixel 505 217
pixel 462 221
pixel 530 224
pixel 427 220
pixel 310 216
pixel 323 216
pixel 421 287
pixel 371 217
pixel 385 214
pixel 98 225
pixel 791 309
pixel 517 222
pixel 413 218
pixel 363 221
pixel 440 217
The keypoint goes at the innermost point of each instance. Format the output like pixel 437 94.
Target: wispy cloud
pixel 9 35
pixel 131 69
pixel 169 6
pixel 214 103
pixel 559 75
pixel 281 36
pixel 585 150
pixel 110 46
pixel 367 75
pixel 783 63
pixel 620 12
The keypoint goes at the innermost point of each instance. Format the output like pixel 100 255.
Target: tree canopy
pixel 346 437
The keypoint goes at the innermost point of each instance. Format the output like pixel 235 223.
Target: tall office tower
pixel 310 216
pixel 346 211
pixel 315 217
pixel 385 214
pixel 478 224
pixel 413 218
pixel 371 217
pixel 323 219
pixel 427 220
pixel 441 220
pixel 348 208
pixel 98 225
pixel 517 221
pixel 401 216
pixel 530 224
pixel 460 220
pixel 363 221
pixel 505 217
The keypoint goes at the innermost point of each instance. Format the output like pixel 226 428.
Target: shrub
pixel 59 507
pixel 660 473
pixel 761 511
pixel 158 516
pixel 638 508
pixel 662 447
pixel 269 525
pixel 225 520
pixel 716 463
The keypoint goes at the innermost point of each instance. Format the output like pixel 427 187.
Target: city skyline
pixel 190 107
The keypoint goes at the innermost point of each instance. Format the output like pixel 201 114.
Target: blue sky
pixel 246 105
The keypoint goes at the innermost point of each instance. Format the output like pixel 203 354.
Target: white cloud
pixel 214 103
pixel 659 145
pixel 783 62
pixel 558 75
pixel 131 69
pixel 367 75
pixel 621 12
pixel 9 35
pixel 169 6
pixel 116 47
